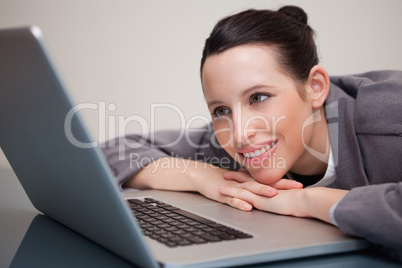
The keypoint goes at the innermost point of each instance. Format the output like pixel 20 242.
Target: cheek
pixel 302 126
pixel 223 134
pixel 295 115
pixel 289 129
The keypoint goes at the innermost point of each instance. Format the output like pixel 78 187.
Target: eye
pixel 258 97
pixel 220 111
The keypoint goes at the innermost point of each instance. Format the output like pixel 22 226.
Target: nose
pixel 244 128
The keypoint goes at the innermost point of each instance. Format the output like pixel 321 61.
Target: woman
pixel 277 114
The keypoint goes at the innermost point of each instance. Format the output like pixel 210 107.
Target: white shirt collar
pixel 330 174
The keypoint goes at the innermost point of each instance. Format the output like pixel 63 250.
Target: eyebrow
pixel 243 93
pixel 248 90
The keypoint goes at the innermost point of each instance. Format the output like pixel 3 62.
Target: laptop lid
pixel 68 183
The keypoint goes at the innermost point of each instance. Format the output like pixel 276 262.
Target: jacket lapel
pixel 339 109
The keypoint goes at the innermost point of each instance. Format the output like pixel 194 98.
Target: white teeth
pixel 259 152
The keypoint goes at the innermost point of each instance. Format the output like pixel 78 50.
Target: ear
pixel 319 84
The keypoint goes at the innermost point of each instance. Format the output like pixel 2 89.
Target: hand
pixel 241 180
pixel 313 202
pixel 248 191
pixel 209 179
pixel 285 202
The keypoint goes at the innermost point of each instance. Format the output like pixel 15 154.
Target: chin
pixel 267 176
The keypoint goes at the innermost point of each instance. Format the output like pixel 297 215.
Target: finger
pixel 238 203
pixel 260 189
pixel 237 193
pixel 237 176
pixel 286 184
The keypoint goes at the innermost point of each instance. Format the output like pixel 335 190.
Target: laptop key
pixel 171 244
pixel 210 238
pixel 135 201
pixel 184 243
pixel 197 240
pixel 227 237
pixel 243 235
pixel 193 216
pixel 171 208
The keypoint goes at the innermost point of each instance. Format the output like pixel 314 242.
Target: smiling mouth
pixel 260 151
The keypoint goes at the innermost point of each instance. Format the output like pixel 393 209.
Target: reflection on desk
pixel 46 243
pixel 49 244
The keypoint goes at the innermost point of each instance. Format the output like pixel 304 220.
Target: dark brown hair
pixel 285 30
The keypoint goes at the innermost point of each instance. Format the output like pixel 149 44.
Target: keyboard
pixel 175 227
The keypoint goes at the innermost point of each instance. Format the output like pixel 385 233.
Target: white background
pixel 134 53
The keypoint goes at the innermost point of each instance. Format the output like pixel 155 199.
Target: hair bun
pixel 294 12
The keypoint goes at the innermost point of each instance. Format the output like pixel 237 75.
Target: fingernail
pixel 269 189
pixel 247 206
pixel 221 187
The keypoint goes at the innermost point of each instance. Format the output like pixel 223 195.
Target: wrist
pixel 200 175
pixel 319 200
pixel 303 203
pixel 194 178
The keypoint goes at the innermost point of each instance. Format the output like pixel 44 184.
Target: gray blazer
pixel 364 114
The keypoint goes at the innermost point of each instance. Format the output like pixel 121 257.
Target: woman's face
pixel 258 115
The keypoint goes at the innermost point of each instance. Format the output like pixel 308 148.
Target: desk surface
pixel 30 239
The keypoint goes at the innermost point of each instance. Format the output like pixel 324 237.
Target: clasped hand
pixel 245 193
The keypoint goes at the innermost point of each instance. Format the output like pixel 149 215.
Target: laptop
pixel 75 186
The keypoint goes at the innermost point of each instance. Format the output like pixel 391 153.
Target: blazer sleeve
pixel 128 154
pixel 374 209
pixel 374 212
